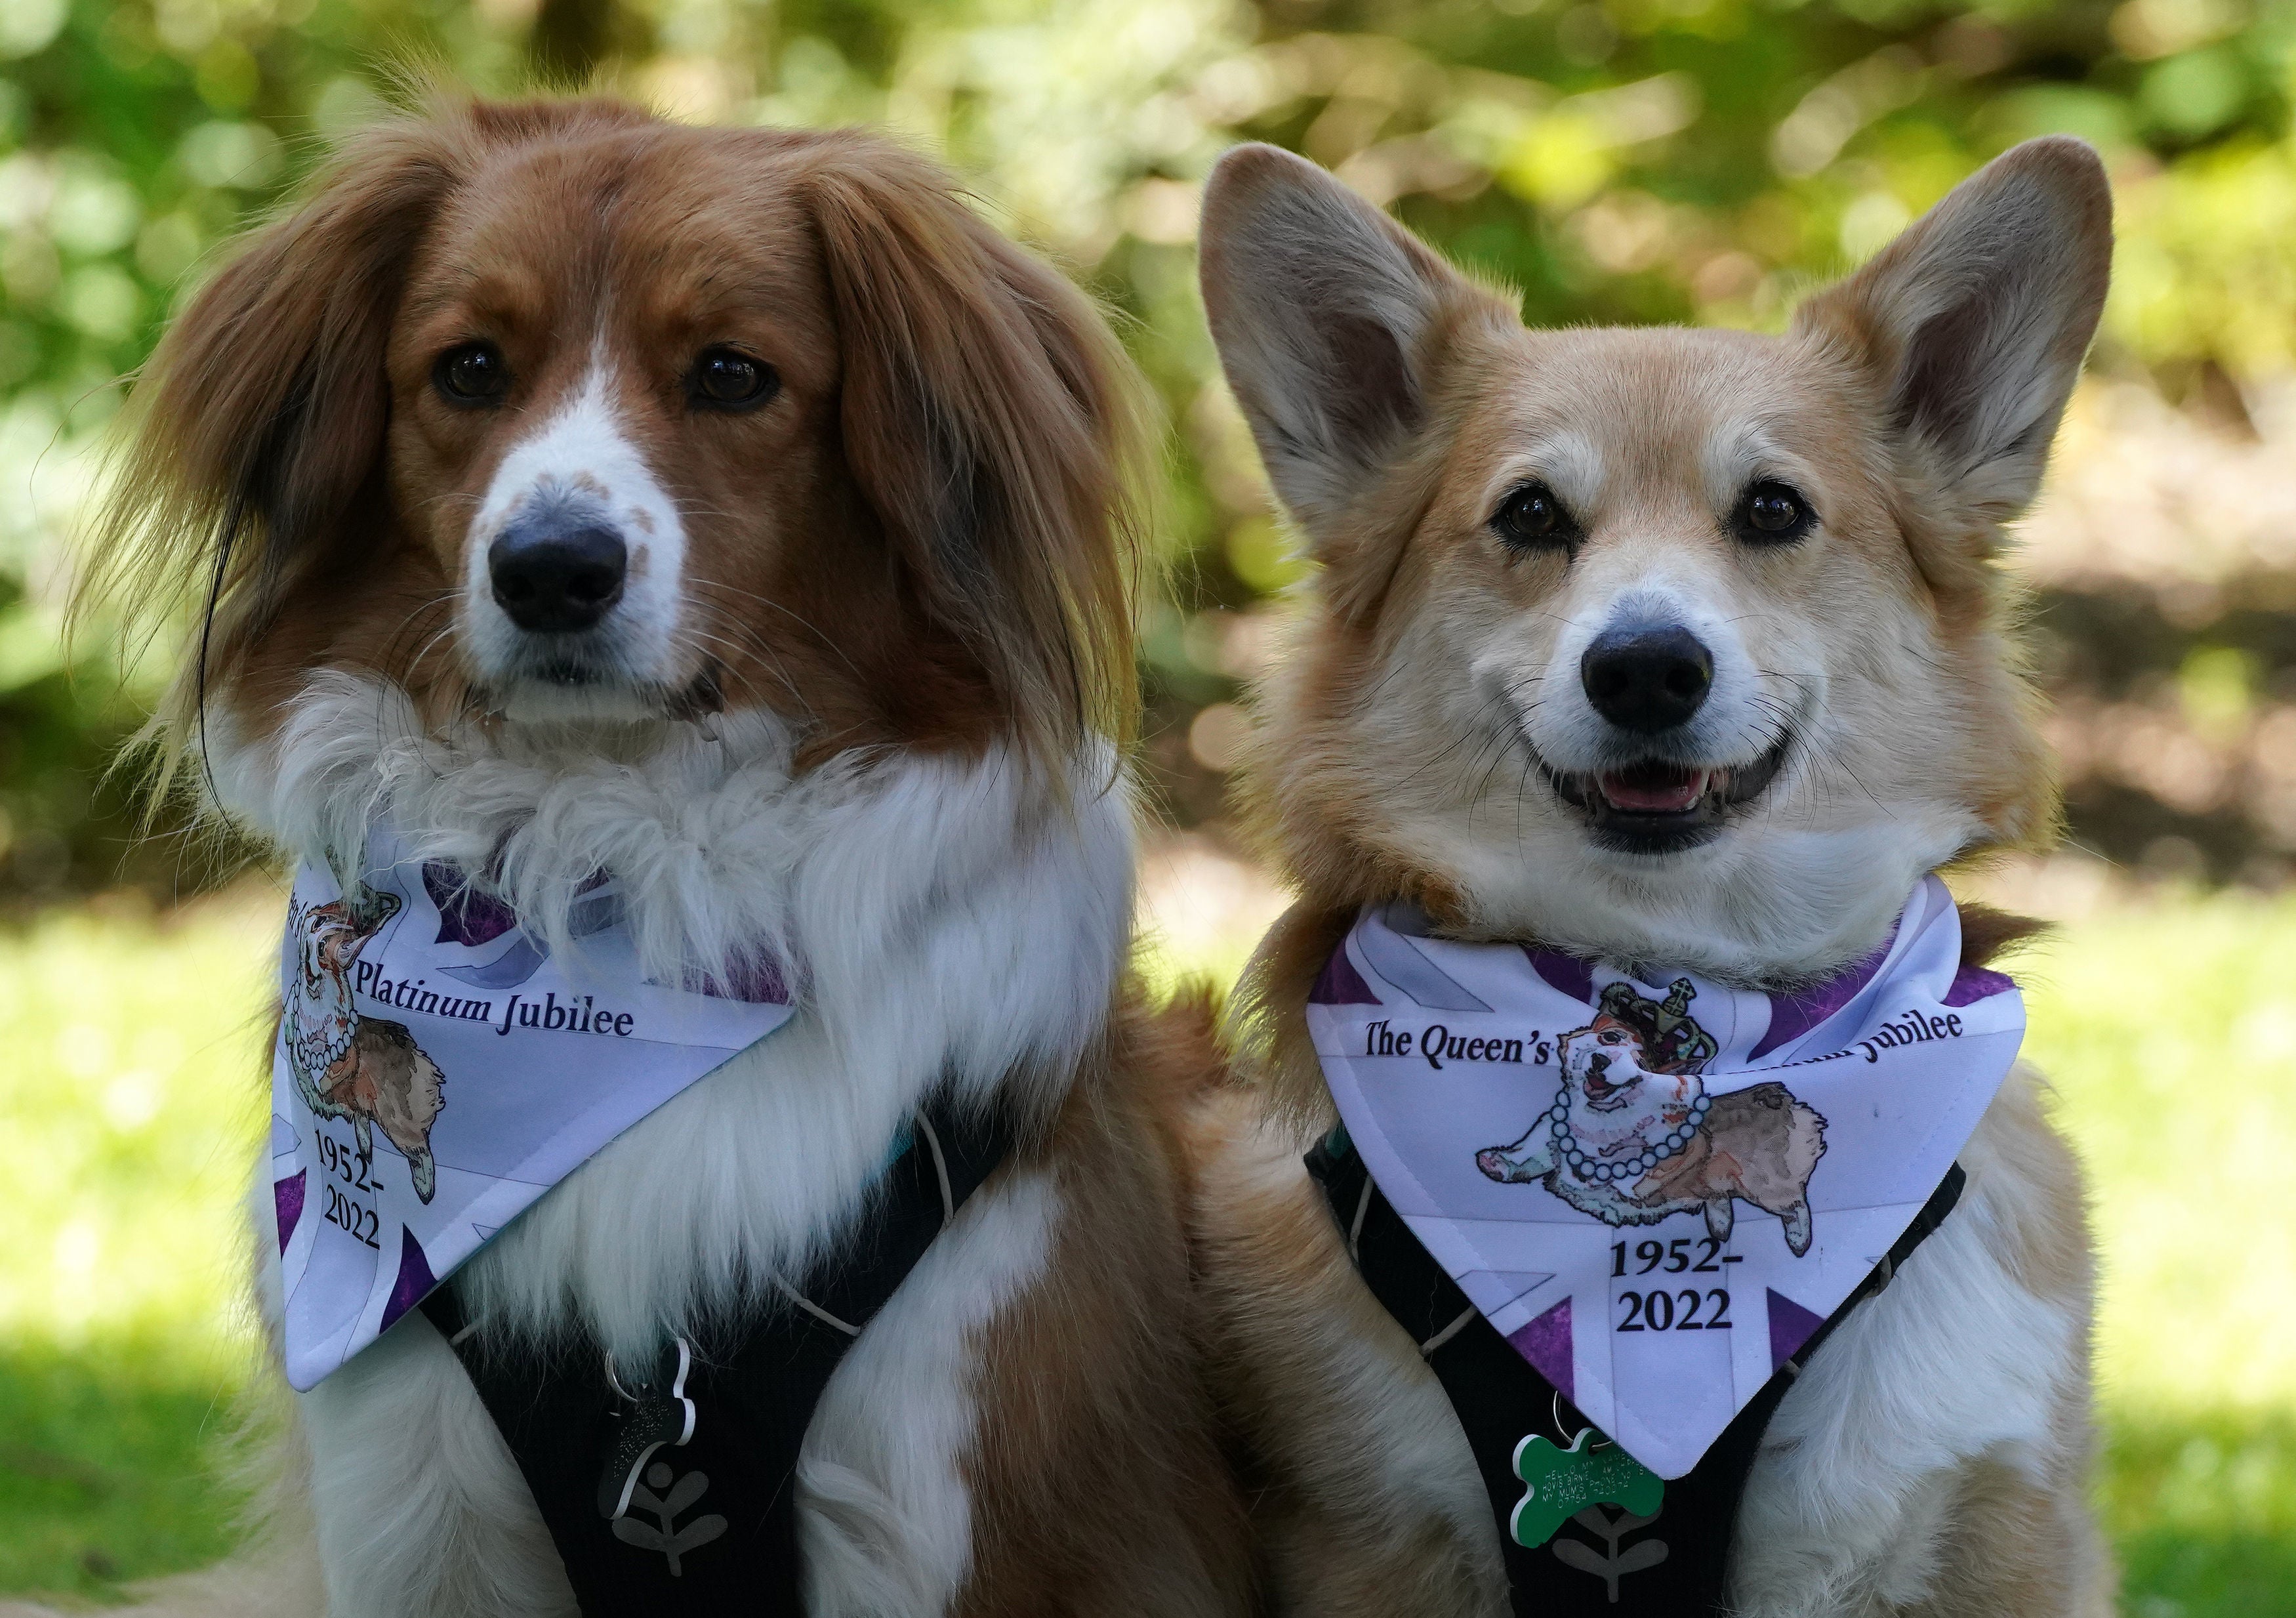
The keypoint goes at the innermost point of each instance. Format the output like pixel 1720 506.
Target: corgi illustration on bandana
pixel 404 974
pixel 365 1070
pixel 1633 1137
pixel 1696 1174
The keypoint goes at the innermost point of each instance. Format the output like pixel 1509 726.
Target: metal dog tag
pixel 654 1413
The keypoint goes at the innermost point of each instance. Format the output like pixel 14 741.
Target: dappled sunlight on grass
pixel 131 1094
pixel 2169 1027
pixel 1203 910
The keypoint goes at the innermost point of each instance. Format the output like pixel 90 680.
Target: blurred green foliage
pixel 1617 159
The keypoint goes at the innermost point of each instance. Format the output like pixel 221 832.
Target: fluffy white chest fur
pixel 947 921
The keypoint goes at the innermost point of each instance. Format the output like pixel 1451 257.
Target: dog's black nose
pixel 1647 680
pixel 554 576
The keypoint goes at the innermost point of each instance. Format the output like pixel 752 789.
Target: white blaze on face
pixel 1652 573
pixel 581 461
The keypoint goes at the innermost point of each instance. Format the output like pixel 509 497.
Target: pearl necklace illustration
pixel 1585 1165
pixel 318 1050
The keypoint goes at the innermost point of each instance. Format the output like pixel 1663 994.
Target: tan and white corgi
pixel 1669 647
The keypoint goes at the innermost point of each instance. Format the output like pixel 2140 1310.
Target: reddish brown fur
pixel 920 541
pixel 1098 1495
pixel 934 503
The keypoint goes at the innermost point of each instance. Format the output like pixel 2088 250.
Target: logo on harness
pixel 664 1536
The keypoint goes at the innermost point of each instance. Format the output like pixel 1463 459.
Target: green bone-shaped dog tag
pixel 1560 1483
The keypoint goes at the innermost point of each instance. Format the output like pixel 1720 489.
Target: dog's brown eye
pixel 1530 518
pixel 731 381
pixel 1772 513
pixel 473 375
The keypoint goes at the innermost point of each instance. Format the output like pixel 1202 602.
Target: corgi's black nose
pixel 555 576
pixel 1648 680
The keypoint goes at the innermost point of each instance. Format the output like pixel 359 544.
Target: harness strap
pixel 1500 1398
pixel 707 1523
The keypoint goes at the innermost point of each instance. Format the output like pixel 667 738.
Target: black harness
pixel 674 1492
pixel 1603 1561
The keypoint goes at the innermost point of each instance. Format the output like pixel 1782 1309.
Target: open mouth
pixel 1658 808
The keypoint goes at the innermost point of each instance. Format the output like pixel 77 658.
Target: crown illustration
pixel 1672 1041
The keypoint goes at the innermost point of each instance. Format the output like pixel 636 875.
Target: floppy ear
pixel 1972 324
pixel 1324 311
pixel 988 416
pixel 262 413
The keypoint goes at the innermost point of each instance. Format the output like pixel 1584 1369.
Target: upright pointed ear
pixel 1972 324
pixel 1323 310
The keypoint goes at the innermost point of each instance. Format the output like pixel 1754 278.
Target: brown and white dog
pixel 1683 648
pixel 734 513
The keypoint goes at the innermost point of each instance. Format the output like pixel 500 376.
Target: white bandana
pixel 437 1070
pixel 1657 1192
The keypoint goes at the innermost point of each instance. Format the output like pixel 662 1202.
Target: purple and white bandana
pixel 1656 1191
pixel 439 1068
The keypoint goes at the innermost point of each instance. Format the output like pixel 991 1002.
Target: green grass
pixel 2202 1511
pixel 131 1089
pixel 111 1465
pixel 2168 1026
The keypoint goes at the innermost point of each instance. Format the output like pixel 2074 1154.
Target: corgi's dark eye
pixel 726 380
pixel 1530 518
pixel 1770 513
pixel 475 373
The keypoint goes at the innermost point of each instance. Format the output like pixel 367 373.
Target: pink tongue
pixel 1648 796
